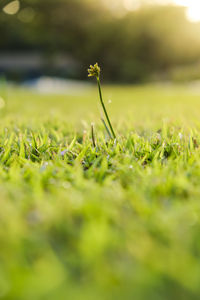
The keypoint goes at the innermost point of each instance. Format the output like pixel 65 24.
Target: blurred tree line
pixel 131 46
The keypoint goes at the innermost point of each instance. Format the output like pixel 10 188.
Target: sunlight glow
pixel 132 5
pixel 192 6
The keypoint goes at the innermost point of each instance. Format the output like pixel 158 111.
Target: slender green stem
pixel 104 108
pixel 106 127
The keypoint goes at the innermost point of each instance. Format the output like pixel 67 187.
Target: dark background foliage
pixel 131 46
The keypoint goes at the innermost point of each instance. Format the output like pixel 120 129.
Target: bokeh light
pixel 12 8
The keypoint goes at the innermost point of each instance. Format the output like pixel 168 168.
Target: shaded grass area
pixel 121 220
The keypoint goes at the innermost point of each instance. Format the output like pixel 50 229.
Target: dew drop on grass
pixel 66 185
pixel 62 153
pixel 180 135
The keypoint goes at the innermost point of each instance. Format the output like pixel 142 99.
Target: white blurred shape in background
pixel 12 8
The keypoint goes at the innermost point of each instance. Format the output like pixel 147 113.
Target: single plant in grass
pixel 94 71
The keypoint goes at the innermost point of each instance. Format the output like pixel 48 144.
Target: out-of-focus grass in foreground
pixel 119 221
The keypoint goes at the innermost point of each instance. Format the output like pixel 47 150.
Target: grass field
pixel 119 221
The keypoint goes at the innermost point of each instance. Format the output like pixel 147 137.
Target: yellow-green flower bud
pixel 94 71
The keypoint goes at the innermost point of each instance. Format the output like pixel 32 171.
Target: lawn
pixel 118 221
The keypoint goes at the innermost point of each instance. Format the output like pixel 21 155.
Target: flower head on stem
pixel 94 71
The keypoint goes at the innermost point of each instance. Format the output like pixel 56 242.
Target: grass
pixel 116 221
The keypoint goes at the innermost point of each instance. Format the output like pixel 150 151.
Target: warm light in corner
pixel 192 6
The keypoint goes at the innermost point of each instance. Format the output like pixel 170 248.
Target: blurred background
pixel 134 41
